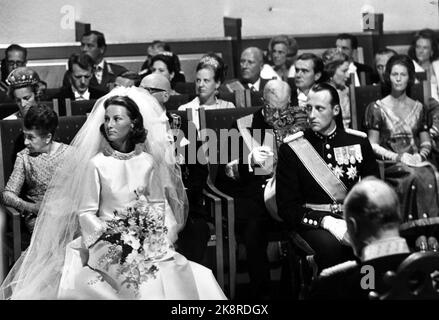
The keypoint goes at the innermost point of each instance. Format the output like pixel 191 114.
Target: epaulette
pixel 293 137
pixel 356 133
pixel 338 268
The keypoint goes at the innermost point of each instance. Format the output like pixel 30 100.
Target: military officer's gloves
pixel 337 227
pixel 259 155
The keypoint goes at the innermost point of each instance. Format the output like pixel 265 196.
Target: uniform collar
pixel 329 136
pixel 385 247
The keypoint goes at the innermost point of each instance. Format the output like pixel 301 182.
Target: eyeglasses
pixel 12 63
pixel 153 90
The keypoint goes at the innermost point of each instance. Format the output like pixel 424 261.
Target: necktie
pixel 98 73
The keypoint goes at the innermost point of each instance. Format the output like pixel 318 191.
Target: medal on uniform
pixel 358 154
pixel 338 156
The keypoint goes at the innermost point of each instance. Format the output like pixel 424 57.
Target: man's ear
pixel 352 225
pixel 336 110
pixel 166 96
pixel 172 74
pixel 317 76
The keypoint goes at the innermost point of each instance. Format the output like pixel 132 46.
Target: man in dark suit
pixel 315 170
pixel 373 218
pixel 251 64
pixel 348 44
pixel 15 56
pixel 245 177
pixel 104 73
pixel 80 75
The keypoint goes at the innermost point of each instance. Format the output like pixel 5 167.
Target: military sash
pixel 317 167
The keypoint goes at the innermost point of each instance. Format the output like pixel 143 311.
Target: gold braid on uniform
pixel 425 149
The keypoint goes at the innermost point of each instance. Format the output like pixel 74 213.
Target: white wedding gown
pixel 111 183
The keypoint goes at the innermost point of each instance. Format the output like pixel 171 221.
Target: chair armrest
pixel 15 216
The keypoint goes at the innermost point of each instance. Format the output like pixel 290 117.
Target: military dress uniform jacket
pixel 349 156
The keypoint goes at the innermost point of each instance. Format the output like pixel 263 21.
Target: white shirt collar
pixel 84 96
pixel 255 85
pixel 352 69
pixel 101 64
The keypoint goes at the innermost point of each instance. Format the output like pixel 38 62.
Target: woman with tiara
pixel 112 212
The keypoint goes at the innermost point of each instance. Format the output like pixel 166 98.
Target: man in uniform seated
pixel 372 215
pixel 315 170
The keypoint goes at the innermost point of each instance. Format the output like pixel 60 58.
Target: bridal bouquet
pixel 137 238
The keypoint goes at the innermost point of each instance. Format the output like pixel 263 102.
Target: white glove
pixel 411 160
pixel 260 154
pixel 232 169
pixel 337 227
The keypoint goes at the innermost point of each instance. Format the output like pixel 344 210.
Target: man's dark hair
pixel 335 100
pixel 348 36
pixel 161 44
pixel 16 47
pixel 100 37
pixel 386 51
pixel 84 61
pixel 317 62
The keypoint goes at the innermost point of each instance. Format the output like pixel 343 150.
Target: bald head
pixel 156 81
pixel 277 94
pixel 158 86
pixel 252 61
pixel 371 210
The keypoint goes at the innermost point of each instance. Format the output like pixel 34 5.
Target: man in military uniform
pixel 245 177
pixel 192 240
pixel 373 217
pixel 315 171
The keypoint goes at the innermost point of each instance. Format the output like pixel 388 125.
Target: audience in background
pixel 104 73
pixel 15 57
pixel 373 217
pixel 165 63
pixel 348 44
pixel 424 51
pixel 336 69
pixel 210 74
pixel 80 73
pixel 398 131
pixel 34 165
pixel 128 79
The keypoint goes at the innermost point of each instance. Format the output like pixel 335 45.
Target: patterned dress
pixel 30 178
pixel 417 187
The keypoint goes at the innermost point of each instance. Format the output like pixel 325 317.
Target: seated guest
pixel 192 240
pixel 154 49
pixel 245 179
pixel 164 63
pixel 398 131
pixel 251 64
pixel 309 71
pixel 315 170
pixel 80 74
pixel 35 164
pixel 281 52
pixel 348 44
pixel 373 217
pixel 336 69
pixel 104 73
pixel 210 74
pixel 15 57
pixel 381 58
pixel 424 51
pixel 23 89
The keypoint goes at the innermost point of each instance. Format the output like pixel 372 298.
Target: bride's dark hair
pixel 138 134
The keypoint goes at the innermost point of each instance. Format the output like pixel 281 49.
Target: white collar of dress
pixel 110 152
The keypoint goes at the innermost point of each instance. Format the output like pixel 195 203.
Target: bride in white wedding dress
pixel 120 158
